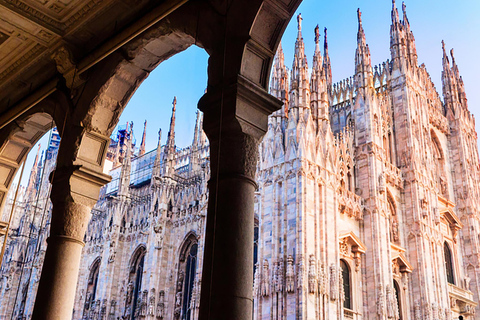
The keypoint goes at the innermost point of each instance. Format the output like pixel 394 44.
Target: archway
pixel 241 41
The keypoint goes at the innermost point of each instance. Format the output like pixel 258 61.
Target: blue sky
pixel 185 75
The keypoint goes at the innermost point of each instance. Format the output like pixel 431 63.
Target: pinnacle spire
pixel 195 133
pixel 405 19
pixel 299 26
pixel 326 62
pixel 142 145
pixel 363 64
pixel 171 133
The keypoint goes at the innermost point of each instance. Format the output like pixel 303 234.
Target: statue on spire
pixel 317 34
pixel 299 20
pixel 359 14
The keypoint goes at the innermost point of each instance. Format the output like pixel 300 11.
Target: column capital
pixel 241 105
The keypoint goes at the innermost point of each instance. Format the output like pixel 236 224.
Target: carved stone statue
pixel 151 303
pixel 161 305
pixel 279 276
pixel 333 283
pixel 290 275
pixel 340 285
pixel 390 303
pixel 417 310
pixel 256 280
pixel 380 301
pixel 265 287
pixel 312 274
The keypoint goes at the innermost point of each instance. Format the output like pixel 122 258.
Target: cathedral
pixel 366 204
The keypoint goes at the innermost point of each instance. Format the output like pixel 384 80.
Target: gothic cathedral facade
pixel 366 208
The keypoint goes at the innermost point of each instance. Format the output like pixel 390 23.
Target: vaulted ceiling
pixel 32 30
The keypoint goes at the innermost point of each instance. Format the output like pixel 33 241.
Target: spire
pixel 142 145
pixel 459 81
pixel 116 159
pixel 448 83
pixel 196 132
pixel 299 74
pixel 279 87
pixel 395 18
pixel 405 19
pixel 156 164
pixel 363 64
pixel 127 163
pixel 361 33
pixel 299 26
pixel 171 133
pixel 326 62
pixel 317 57
pixel 33 173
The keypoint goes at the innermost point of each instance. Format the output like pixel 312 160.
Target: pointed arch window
pixel 255 245
pixel 92 284
pixel 347 303
pixel 134 288
pixel 187 270
pixel 448 263
pixel 398 297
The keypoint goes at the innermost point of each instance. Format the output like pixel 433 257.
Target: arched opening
pixel 347 289
pixel 91 291
pixel 186 279
pixel 134 287
pixel 448 263
pixel 398 299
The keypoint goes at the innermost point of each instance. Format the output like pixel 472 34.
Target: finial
pixel 174 101
pixel 443 47
pixel 317 34
pixel 451 54
pixel 404 8
pixel 326 42
pixel 299 20
pixel 393 4
pixel 359 13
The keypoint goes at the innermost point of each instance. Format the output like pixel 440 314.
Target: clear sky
pixel 185 75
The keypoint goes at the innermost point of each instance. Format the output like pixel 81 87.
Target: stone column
pixel 75 190
pixel 235 119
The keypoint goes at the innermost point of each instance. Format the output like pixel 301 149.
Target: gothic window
pixel 134 288
pixel 448 263
pixel 398 299
pixel 92 285
pixel 255 245
pixel 186 279
pixel 347 303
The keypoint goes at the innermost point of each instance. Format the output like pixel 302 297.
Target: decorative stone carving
pixel 265 286
pixel 382 187
pixel 63 59
pixel 322 280
pixel 111 313
pixel 312 274
pixel 151 303
pixel 300 273
pixel 333 283
pixel 256 280
pixel 381 312
pixel 161 305
pixel 391 314
pixel 340 286
pixel 290 275
pixel 417 310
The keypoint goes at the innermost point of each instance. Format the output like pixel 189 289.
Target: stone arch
pixel 186 278
pixel 137 253
pixel 18 138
